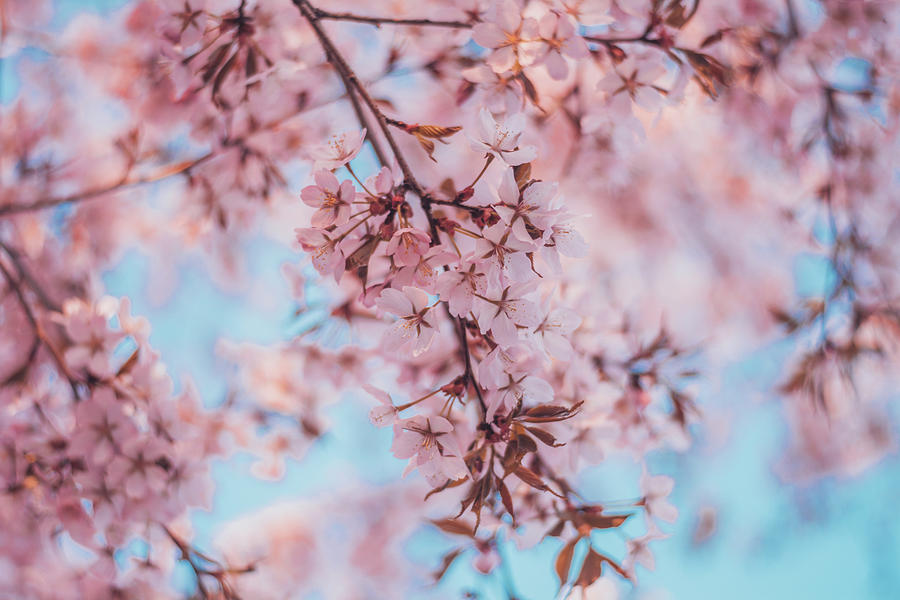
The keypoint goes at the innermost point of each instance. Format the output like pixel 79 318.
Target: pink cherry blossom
pixel 334 200
pixel 502 141
pixel 415 326
pixel 340 149
pixel 430 448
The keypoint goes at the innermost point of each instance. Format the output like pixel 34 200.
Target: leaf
pixel 545 436
pixel 526 444
pixel 599 521
pixel 532 479
pixel 445 563
pixel 435 131
pixel 615 566
pixel 529 88
pixel 214 62
pixel 523 175
pixel 454 527
pixel 564 561
pixel 426 133
pixel 449 484
pixel 427 145
pixel 506 497
pixel 128 364
pixel 222 74
pixel 591 569
pixel 713 38
pixel 545 410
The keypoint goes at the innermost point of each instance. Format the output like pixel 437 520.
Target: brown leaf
pixel 454 526
pixel 449 484
pixel 506 497
pixel 531 478
pixel 445 563
pixel 529 88
pixel 128 364
pixel 526 444
pixel 598 521
pixel 427 145
pixel 591 569
pixel 222 74
pixel 544 436
pixel 523 174
pixel 564 561
pixel 435 131
pixel 214 62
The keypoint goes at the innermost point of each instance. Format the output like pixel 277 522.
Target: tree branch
pixel 335 57
pixel 378 21
pixel 44 203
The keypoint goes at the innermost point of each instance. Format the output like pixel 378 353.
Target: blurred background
pixel 742 533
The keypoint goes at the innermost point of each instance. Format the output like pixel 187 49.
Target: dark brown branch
pixel 467 359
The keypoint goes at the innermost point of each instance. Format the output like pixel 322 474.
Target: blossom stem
pixel 487 163
pixel 361 184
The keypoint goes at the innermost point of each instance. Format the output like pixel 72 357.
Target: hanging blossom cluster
pixel 520 213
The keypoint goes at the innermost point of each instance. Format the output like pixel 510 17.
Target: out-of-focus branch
pixel 81 196
pixel 378 21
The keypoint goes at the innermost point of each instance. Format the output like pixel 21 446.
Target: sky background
pixel 835 540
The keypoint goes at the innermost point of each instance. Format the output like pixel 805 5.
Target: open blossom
pixel 407 246
pixel 415 326
pixel 554 332
pixel 501 363
pixel 93 340
pixel 588 12
pixel 424 273
pixel 531 207
pixel 385 413
pixel 656 490
pixel 502 141
pixel 503 255
pixel 139 468
pixel 459 287
pixel 503 316
pixel 528 390
pixel 327 257
pixel 508 35
pixel 102 427
pixel 560 39
pixel 425 441
pixel 334 200
pixel 636 78
pixel 340 149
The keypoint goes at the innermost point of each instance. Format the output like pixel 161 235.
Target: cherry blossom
pixel 334 200
pixel 425 441
pixel 415 328
pixel 502 141
pixel 340 149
